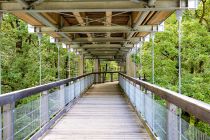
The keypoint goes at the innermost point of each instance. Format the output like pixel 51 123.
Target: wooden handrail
pixel 195 107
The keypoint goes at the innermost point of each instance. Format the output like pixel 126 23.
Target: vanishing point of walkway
pixel 102 113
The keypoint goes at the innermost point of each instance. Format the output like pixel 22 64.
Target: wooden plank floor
pixel 102 113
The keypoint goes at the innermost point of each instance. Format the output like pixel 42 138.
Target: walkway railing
pixel 51 101
pixel 32 119
pixel 102 77
pixel 162 120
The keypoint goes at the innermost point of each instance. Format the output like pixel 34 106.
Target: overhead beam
pixel 108 21
pixel 102 39
pixel 136 24
pixel 101 54
pixel 102 29
pixel 100 46
pixel 108 49
pixel 82 23
pixel 104 52
pixel 42 19
pixel 96 6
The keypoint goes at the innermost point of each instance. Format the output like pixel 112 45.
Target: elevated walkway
pixel 102 113
pixel 99 111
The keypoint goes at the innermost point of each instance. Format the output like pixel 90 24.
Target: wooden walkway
pixel 102 113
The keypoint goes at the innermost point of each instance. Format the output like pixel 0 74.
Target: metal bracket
pixel 179 14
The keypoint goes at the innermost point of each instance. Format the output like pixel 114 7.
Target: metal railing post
pixel 44 108
pixel 80 85
pixel 74 82
pixel 62 96
pixel 144 108
pixel 95 78
pixel 172 120
pixel 8 121
pixel 111 77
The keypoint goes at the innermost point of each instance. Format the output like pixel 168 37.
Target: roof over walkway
pixel 98 29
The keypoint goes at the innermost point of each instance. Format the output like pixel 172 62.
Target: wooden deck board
pixel 102 113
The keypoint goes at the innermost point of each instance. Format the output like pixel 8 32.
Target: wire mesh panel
pixel 67 94
pixel 77 88
pixel 148 109
pixel 26 120
pixel 131 92
pixel 162 121
pixel 54 103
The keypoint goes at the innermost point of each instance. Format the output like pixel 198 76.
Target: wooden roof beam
pixel 86 46
pixel 101 39
pixel 136 24
pixel 82 23
pixel 108 21
pixel 42 19
pixel 102 29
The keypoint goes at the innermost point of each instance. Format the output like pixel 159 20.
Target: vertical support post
pixel 179 18
pixel 153 57
pixel 175 133
pixel 74 82
pixel 58 67
pixel 95 77
pixel 62 96
pixel 69 61
pixel 1 16
pixel 111 77
pixel 104 77
pixel 129 66
pixel 153 78
pixel 8 121
pixel 135 60
pixel 97 69
pixel 179 14
pixel 172 123
pixel 44 108
pixel 81 64
pixel 141 66
pixel 39 35
pixel 40 58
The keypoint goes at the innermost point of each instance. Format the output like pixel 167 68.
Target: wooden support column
pixel 111 77
pixel 129 66
pixel 8 121
pixel 97 69
pixel 44 108
pixel 81 65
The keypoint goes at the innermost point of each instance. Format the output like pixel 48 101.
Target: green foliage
pixel 195 59
pixel 20 58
